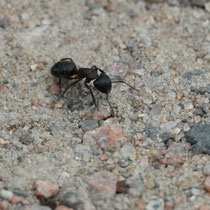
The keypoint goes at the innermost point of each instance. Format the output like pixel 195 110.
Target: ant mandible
pixel 67 69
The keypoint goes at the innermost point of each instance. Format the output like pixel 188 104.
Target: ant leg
pixel 68 88
pixel 59 83
pixel 93 97
pixel 121 81
pixel 112 110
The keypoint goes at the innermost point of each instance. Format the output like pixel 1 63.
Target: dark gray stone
pixel 26 139
pixel 200 134
pixel 202 90
pixel 89 125
pixel 156 73
pixel 188 75
pixel 165 136
pixel 75 104
pixel 151 131
pixel 71 200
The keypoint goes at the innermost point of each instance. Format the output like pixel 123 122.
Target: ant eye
pixel 103 83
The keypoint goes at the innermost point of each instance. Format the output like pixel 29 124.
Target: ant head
pixel 103 83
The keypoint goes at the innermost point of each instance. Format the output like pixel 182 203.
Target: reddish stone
pixel 103 158
pixel 16 199
pixel 126 65
pixel 175 155
pixel 63 208
pixel 103 183
pixel 4 90
pixel 205 207
pixel 207 183
pixel 4 205
pixel 107 135
pixel 103 112
pixel 46 189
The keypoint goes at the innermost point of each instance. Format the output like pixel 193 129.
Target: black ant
pixel 66 68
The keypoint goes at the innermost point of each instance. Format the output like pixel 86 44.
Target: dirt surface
pixel 65 154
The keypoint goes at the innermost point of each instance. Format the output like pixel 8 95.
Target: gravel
pixel 156 145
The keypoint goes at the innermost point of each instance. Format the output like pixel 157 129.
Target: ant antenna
pixel 121 81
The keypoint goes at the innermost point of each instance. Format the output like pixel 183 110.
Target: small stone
pixel 3 142
pixel 103 112
pixel 26 139
pixel 188 106
pixel 155 205
pixel 128 152
pixel 103 184
pixel 33 67
pixel 70 199
pixel 46 22
pixel 175 155
pixel 165 136
pixel 168 125
pixel 147 101
pixel 107 135
pixel 186 127
pixel 75 104
pixel 89 125
pixel 46 189
pixel 16 199
pixel 205 207
pixel 200 135
pixel 176 131
pixel 6 194
pixel 197 119
pixel 103 158
pixel 207 7
pixel 149 185
pixel 35 207
pixel 206 169
pixel 59 105
pixel 121 187
pixel 63 208
pixel 207 183
pixel 4 205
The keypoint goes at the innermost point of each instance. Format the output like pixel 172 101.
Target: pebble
pixel 3 142
pixel 70 199
pixel 168 125
pixel 89 125
pixel 16 199
pixel 175 155
pixel 197 119
pixel 102 113
pixel 46 189
pixel 207 183
pixel 188 106
pixel 33 67
pixel 4 205
pixel 200 134
pixel 103 184
pixel 155 205
pixel 7 195
pixel 128 152
pixel 206 169
pixel 107 135
pixel 207 7
pixel 63 208
pixel 205 207
pixel 35 207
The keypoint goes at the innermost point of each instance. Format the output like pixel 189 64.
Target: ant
pixel 67 69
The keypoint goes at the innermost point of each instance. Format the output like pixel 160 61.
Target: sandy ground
pixel 65 154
